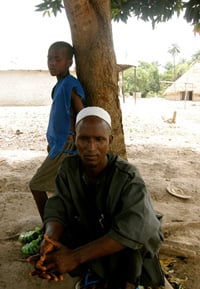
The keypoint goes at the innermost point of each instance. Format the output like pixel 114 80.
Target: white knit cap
pixel 94 111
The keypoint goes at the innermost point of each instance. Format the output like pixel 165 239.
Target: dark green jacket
pixel 118 205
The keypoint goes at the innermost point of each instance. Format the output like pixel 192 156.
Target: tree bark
pixel 90 23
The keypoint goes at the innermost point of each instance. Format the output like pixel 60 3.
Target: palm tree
pixel 174 50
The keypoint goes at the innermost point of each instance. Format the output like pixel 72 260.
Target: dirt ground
pixel 167 154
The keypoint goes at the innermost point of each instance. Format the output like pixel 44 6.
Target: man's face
pixel 58 61
pixel 93 137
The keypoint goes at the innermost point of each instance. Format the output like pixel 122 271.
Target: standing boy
pixel 67 100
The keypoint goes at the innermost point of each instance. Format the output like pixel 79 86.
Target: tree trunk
pixel 90 23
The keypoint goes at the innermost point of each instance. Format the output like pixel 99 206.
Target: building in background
pixel 187 87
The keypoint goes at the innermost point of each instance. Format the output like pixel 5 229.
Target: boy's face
pixel 58 62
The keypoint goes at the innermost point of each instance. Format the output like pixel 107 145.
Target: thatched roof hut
pixel 187 87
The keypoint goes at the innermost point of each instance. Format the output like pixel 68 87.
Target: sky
pixel 26 36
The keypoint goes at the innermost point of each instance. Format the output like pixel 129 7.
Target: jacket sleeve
pixel 134 224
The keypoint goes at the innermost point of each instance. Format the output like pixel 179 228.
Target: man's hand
pixel 47 246
pixel 54 260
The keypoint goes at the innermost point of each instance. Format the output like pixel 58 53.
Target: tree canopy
pixel 148 10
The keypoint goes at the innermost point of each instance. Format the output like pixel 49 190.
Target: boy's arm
pixel 77 103
pixel 76 106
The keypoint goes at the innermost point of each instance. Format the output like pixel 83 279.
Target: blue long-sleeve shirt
pixel 60 115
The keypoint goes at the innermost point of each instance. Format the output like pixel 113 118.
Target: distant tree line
pixel 150 80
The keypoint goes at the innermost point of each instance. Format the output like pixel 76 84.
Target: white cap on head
pixel 93 111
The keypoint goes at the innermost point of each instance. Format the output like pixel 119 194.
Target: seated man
pixel 100 225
